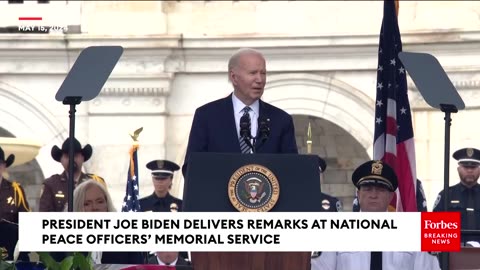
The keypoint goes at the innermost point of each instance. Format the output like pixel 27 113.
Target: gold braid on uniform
pixel 97 178
pixel 18 196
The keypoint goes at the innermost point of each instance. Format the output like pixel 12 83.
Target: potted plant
pixel 75 261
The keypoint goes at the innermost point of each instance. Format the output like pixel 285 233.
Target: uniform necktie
pixel 243 145
pixel 375 260
pixel 471 210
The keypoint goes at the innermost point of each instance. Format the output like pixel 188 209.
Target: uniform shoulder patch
pixel 339 206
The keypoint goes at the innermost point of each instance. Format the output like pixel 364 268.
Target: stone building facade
pixel 321 59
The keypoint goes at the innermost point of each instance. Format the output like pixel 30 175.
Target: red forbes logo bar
pixel 441 231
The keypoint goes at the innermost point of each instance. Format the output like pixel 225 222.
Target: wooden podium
pixel 206 190
pixel 251 260
pixel 467 259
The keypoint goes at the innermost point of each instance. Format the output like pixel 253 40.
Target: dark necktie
pixel 375 260
pixel 243 145
pixel 471 209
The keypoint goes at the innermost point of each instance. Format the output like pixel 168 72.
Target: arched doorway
pixel 342 152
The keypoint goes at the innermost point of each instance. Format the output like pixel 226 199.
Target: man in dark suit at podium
pixel 241 122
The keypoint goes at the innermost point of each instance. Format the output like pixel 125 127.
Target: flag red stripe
pixel 391 126
pixel 406 179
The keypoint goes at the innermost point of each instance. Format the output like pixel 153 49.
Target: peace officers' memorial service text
pixel 215 231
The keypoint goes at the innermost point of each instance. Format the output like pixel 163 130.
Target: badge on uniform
pixel 325 204
pixel 59 194
pixel 10 201
pixel 3 253
pixel 173 207
pixel 339 206
pixel 377 168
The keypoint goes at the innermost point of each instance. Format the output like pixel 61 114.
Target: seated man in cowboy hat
pixel 12 201
pixel 54 190
pixel 376 183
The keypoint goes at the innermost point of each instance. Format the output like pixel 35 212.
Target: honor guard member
pixel 464 197
pixel 12 201
pixel 376 183
pixel 161 200
pixel 420 196
pixel 329 203
pixel 12 195
pixel 54 191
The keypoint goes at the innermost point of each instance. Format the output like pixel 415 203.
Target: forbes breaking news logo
pixel 441 231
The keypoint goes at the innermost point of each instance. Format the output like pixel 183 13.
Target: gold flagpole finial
pixel 309 139
pixel 135 135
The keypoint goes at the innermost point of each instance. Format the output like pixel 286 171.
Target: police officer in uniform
pixel 54 191
pixel 420 197
pixel 12 201
pixel 161 200
pixel 376 183
pixel 329 203
pixel 464 197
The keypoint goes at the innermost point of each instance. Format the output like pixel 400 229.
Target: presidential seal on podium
pixel 253 188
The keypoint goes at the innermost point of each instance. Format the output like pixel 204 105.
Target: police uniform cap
pixel 162 168
pixel 469 157
pixel 375 172
pixel 322 165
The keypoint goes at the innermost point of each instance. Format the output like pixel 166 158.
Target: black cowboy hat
pixel 9 160
pixel 85 151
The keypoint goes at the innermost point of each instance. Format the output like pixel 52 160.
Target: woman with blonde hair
pixel 93 196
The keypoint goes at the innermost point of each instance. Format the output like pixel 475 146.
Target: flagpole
pixel 131 200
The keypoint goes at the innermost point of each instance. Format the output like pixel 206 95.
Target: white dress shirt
pixel 361 261
pixel 162 263
pixel 238 106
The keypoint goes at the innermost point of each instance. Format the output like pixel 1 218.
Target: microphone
pixel 245 132
pixel 245 127
pixel 263 128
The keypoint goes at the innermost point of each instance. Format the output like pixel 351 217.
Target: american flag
pixel 393 142
pixel 131 200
